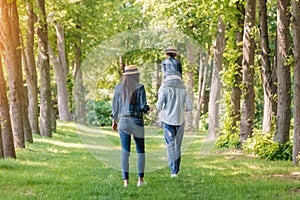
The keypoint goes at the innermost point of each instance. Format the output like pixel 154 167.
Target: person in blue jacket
pixel 173 101
pixel 128 107
pixel 171 67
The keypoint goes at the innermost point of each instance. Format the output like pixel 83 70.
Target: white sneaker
pixel 141 183
pixel 174 175
pixel 126 185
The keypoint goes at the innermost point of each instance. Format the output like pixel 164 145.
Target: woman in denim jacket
pixel 128 107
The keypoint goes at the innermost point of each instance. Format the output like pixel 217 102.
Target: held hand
pixel 114 125
pixel 150 108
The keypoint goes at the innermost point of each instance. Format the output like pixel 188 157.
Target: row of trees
pixel 248 51
pixel 42 41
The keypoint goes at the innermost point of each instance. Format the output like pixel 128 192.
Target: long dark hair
pixel 130 83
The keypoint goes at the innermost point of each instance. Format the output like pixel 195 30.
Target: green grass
pixel 62 168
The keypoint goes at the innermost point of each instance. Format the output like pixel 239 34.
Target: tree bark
pixel 5 123
pixel 44 67
pixel 200 82
pixel 214 98
pixel 158 76
pixel 30 72
pixel 61 72
pixel 10 37
pixel 122 65
pixel 296 29
pixel 202 85
pixel 236 91
pixel 268 72
pixel 53 117
pixel 78 90
pixel 26 123
pixel 1 145
pixel 248 105
pixel 283 117
pixel 190 85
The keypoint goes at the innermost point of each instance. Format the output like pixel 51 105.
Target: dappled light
pixel 105 146
pixel 208 93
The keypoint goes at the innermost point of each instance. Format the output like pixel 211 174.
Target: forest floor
pixel 84 163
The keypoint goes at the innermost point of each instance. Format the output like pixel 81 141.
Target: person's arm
pixel 161 99
pixel 115 110
pixel 143 102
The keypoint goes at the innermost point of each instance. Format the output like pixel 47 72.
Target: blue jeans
pixel 132 126
pixel 173 137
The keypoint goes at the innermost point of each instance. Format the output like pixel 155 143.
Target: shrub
pixel 263 146
pixel 98 113
pixel 229 140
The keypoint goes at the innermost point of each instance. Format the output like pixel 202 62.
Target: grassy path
pixel 62 168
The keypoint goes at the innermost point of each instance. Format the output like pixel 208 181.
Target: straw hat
pixel 131 69
pixel 171 49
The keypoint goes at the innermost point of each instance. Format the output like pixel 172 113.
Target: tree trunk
pixel 158 76
pixel 10 38
pixel 283 74
pixel 268 73
pixel 31 74
pixel 248 105
pixel 44 67
pixel 26 123
pixel 5 123
pixel 296 29
pixel 1 145
pixel 215 91
pixel 202 85
pixel 53 117
pixel 236 91
pixel 61 72
pixel 190 85
pixel 208 83
pixel 122 65
pixel 78 90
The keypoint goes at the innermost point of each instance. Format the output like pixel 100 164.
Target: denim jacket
pixel 138 110
pixel 172 102
pixel 171 66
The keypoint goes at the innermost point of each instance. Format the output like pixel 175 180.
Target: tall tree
pixel 268 71
pixel 5 123
pixel 61 71
pixel 236 91
pixel 26 123
pixel 283 116
pixel 44 67
pixel 78 89
pixel 30 72
pixel 10 38
pixel 216 82
pixel 248 106
pixel 202 84
pixel 296 29
pixel 190 76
